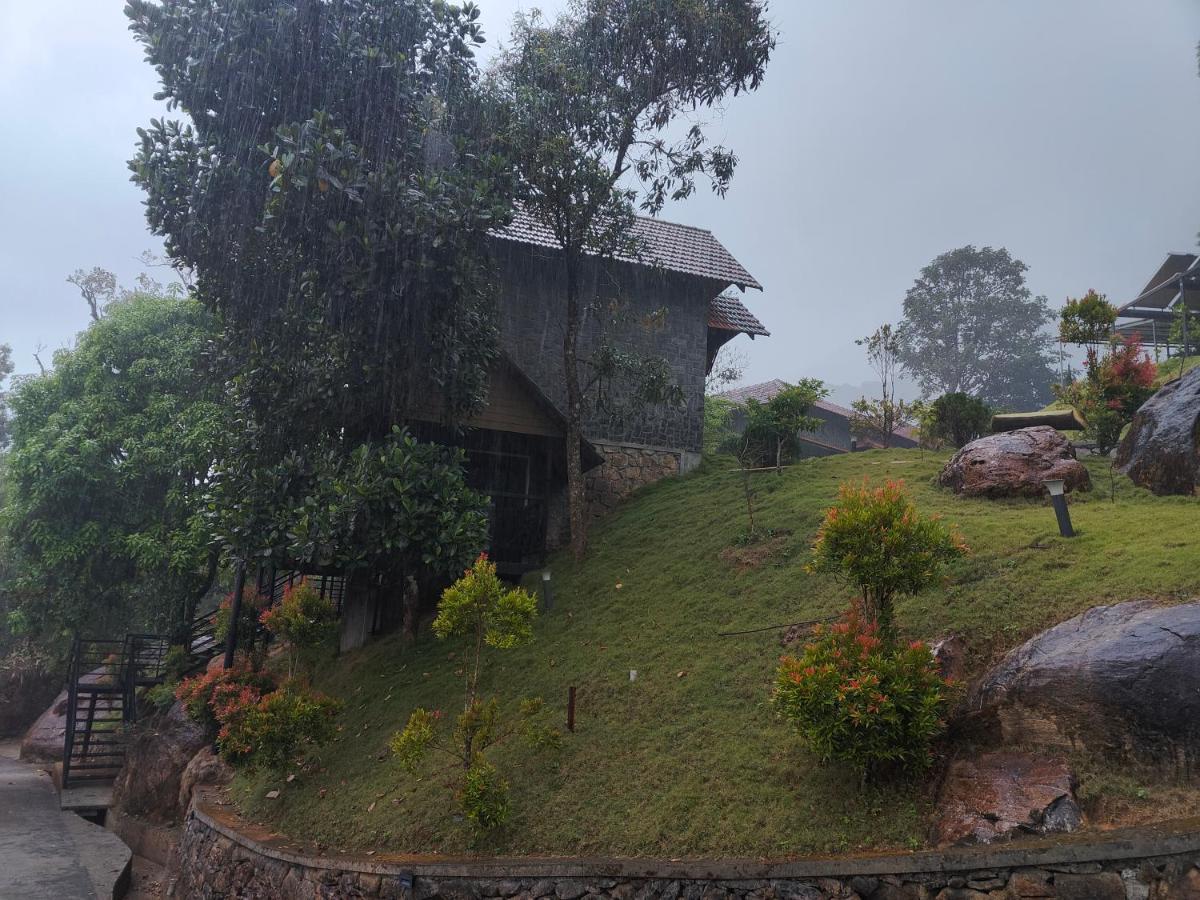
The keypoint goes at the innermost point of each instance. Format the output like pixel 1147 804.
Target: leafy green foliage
pixel 972 326
pixel 6 369
pixel 333 193
pixel 859 699
pixel 1115 386
pixel 202 694
pixel 770 433
pixel 307 624
pixel 110 464
pixel 1086 320
pixel 955 419
pixel 271 730
pixel 249 611
pixel 875 539
pixel 481 608
pixel 484 796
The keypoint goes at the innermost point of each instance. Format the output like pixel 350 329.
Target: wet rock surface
pixel 1014 464
pixel 156 756
pixel 205 768
pixel 1121 679
pixel 1161 450
pixel 1001 795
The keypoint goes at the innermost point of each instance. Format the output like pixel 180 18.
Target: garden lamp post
pixel 1059 499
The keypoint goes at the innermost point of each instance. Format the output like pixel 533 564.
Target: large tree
pixel 597 101
pixel 972 326
pixel 112 451
pixel 332 196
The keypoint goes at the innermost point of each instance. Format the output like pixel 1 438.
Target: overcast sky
pixel 887 132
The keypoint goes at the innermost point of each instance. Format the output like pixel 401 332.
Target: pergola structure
pixel 1149 316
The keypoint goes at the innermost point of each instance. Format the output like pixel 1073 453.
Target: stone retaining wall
pixel 218 858
pixel 626 469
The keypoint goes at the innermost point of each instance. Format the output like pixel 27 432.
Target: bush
pixel 956 419
pixel 1115 387
pixel 307 623
pixel 201 694
pixel 271 730
pixel 876 540
pixel 484 795
pixel 859 699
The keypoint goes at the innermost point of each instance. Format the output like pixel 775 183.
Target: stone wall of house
pixel 215 861
pixel 626 469
pixel 624 301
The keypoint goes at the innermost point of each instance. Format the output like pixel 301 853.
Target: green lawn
pixel 688 760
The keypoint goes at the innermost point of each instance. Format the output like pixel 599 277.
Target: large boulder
pixel 206 768
pixel 997 796
pixel 26 686
pixel 1014 464
pixel 46 737
pixel 1161 449
pixel 156 755
pixel 1122 680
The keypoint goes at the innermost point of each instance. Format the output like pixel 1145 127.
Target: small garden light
pixel 1058 497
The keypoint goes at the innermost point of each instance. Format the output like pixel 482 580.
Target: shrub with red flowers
pixel 875 539
pixel 860 699
pixel 306 623
pixel 272 729
pixel 1116 385
pixel 255 721
pixel 203 695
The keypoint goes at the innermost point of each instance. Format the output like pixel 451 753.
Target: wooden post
pixel 235 613
pixel 571 708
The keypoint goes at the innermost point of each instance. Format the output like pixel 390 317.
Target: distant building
pixel 834 434
pixel 1151 314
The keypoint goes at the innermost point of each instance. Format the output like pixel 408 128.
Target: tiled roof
pixel 726 313
pixel 678 248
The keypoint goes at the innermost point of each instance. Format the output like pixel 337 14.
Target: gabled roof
pixel 674 247
pixel 727 313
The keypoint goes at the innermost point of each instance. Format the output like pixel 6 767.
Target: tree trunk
pixel 749 497
pixel 410 604
pixel 576 501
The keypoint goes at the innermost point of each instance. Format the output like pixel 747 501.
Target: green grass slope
pixel 688 760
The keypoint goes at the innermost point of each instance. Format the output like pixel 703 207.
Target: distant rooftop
pixel 765 390
pixel 675 247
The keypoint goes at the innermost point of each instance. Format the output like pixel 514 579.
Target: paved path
pixel 47 854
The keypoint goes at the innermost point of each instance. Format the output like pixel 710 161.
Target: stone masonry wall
pixel 532 320
pixel 626 469
pixel 216 862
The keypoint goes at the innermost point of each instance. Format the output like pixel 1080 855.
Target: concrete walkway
pixel 48 854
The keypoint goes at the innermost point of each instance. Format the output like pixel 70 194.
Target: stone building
pixel 670 302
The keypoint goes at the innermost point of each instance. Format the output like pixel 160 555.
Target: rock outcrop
pixel 1161 450
pixel 24 692
pixel 206 768
pixel 156 755
pixel 1001 795
pixel 1122 680
pixel 1014 464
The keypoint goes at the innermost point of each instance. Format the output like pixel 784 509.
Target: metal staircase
pixel 102 686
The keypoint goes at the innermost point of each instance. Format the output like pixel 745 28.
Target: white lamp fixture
pixel 1055 486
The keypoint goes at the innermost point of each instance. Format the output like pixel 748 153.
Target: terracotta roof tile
pixel 678 248
pixel 727 313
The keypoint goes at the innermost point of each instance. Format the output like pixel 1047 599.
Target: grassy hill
pixel 688 760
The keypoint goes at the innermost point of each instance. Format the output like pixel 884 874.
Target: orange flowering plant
pixel 875 539
pixel 859 699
